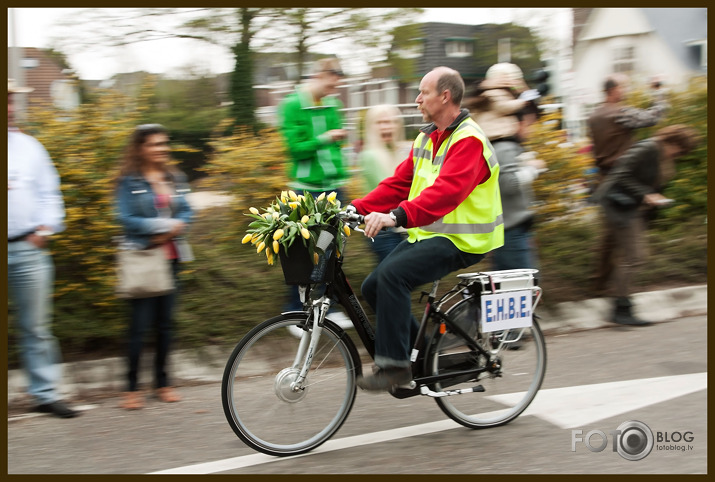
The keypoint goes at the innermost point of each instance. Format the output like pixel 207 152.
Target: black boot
pixel 623 316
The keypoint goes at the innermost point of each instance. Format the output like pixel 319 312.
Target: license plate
pixel 505 311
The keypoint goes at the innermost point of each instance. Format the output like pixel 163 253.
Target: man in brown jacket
pixel 631 189
pixel 612 129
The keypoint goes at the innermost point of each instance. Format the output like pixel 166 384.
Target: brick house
pixel 52 83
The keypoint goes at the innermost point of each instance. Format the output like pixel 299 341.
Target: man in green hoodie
pixel 311 124
pixel 312 127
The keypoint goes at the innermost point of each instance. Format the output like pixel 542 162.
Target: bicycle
pixel 286 396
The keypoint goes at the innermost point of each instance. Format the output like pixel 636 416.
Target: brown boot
pixel 167 395
pixel 132 401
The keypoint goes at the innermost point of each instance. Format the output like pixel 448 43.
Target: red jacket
pixel 463 169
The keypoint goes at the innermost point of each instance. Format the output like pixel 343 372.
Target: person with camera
pixel 505 108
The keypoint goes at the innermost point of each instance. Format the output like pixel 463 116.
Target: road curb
pixel 207 363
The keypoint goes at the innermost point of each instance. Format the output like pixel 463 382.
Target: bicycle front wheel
pixel 509 385
pixel 262 407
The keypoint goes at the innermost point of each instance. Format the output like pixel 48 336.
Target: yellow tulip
pixel 305 219
pixel 332 196
pixel 321 197
pixel 253 210
pixel 275 215
pixel 305 233
pixel 266 215
pixel 292 195
pixel 278 234
pixel 260 247
pixel 275 246
pixel 346 230
pixel 246 238
pixel 293 205
pixel 284 197
pixel 255 238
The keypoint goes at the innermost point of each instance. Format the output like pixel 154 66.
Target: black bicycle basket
pixel 298 263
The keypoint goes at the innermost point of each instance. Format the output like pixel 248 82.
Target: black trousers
pixel 155 314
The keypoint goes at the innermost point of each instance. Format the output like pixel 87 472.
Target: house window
pixel 698 51
pixel 624 59
pixel 29 63
pixel 459 47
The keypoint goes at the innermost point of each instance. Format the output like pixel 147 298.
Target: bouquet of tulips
pixel 294 217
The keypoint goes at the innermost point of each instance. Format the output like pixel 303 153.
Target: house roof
pixel 678 27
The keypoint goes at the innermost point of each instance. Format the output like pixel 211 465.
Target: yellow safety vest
pixel 477 224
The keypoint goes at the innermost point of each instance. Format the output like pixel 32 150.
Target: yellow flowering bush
pixel 294 217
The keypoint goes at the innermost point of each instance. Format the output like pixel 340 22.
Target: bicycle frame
pixel 340 289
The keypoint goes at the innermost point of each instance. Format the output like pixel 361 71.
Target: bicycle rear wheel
pixel 508 391
pixel 258 401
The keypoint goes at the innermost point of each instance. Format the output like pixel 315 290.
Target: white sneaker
pixel 341 319
pixel 337 317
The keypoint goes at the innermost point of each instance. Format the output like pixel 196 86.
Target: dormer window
pixel 624 59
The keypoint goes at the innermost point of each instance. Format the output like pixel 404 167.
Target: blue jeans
pixel 385 242
pixel 388 291
pixel 30 276
pixel 157 313
pixel 517 252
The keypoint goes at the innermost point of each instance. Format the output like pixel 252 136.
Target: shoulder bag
pixel 143 273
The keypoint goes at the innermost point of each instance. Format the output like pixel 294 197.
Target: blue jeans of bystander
pixel 158 313
pixel 30 275
pixel 517 252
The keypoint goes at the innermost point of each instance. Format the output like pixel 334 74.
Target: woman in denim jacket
pixel 153 210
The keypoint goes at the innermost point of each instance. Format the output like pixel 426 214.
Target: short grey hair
pixel 450 80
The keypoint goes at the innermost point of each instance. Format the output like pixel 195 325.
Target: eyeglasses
pixel 339 73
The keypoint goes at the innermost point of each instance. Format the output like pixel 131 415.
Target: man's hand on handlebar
pixel 375 222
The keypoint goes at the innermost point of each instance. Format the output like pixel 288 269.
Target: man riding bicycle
pixel 447 194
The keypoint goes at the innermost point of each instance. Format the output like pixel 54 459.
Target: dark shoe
pixel 384 379
pixel 630 320
pixel 622 314
pixel 58 409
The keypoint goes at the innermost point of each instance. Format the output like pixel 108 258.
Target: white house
pixel 644 43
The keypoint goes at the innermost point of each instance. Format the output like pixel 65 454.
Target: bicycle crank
pixel 424 390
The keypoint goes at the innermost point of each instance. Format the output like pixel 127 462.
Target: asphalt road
pixel 596 381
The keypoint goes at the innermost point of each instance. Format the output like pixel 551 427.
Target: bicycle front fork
pixel 309 340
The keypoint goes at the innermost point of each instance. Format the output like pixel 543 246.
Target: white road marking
pixel 564 407
pixel 329 446
pixel 579 406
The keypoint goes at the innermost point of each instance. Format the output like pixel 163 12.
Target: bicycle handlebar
pixel 351 218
